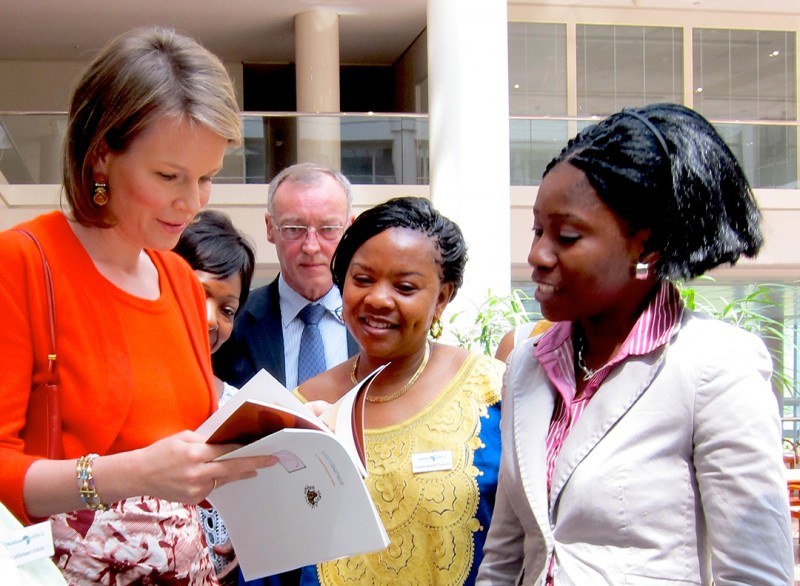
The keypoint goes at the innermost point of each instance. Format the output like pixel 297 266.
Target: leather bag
pixel 42 431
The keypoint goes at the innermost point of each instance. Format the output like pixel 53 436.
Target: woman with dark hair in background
pixel 398 266
pixel 641 441
pixel 224 260
pixel 148 126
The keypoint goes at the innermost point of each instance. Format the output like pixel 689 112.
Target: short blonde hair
pixel 142 75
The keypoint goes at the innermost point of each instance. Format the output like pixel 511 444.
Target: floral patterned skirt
pixel 142 540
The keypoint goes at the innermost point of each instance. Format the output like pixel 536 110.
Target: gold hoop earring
pixel 100 193
pixel 436 328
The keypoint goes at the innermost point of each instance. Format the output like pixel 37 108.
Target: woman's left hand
pixel 182 467
pixel 318 407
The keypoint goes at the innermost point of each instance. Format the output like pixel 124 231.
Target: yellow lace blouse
pixel 431 517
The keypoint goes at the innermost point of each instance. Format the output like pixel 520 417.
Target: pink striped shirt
pixel 555 354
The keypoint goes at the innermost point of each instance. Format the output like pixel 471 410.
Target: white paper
pixel 311 507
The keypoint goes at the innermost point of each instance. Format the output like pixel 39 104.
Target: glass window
pixel 624 66
pixel 534 143
pixel 384 150
pixel 745 74
pixel 537 69
pixel 767 153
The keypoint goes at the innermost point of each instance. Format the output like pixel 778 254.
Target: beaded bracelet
pixel 86 487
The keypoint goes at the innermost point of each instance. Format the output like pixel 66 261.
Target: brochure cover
pixel 311 507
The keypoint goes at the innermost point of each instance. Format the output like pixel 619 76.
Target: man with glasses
pixel 308 209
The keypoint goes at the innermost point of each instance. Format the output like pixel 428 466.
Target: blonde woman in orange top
pixel 148 126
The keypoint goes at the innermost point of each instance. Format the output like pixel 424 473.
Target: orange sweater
pixel 94 361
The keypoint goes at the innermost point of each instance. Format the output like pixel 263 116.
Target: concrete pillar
pixel 469 137
pixel 317 71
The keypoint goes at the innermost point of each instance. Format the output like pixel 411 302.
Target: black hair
pixel 212 244
pixel 664 167
pixel 413 213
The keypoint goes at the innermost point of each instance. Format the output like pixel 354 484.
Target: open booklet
pixel 311 507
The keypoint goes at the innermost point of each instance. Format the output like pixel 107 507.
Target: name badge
pixel 29 543
pixel 431 461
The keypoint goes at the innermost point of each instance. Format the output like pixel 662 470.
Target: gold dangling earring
pixel 436 328
pixel 100 193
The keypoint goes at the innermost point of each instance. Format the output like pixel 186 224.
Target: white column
pixel 469 137
pixel 317 74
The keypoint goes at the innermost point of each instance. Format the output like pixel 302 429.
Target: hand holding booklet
pixel 311 507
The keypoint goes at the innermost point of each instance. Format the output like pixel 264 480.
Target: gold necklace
pixel 406 386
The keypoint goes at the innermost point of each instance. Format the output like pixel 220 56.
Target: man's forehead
pixel 331 201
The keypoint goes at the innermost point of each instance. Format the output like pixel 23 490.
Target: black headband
pixel 652 127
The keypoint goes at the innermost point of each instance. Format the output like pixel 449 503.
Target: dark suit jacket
pixel 257 340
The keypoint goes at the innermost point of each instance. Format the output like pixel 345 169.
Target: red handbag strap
pixel 51 307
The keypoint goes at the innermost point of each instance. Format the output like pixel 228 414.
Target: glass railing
pixel 388 149
pixel 391 149
pixel 30 147
pixel 766 150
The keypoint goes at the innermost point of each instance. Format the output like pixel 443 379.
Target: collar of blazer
pixel 532 395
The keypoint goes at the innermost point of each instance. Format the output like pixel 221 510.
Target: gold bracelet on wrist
pixel 86 487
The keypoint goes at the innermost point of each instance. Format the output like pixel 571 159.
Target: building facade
pixel 564 65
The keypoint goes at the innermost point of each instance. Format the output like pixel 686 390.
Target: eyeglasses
pixel 289 232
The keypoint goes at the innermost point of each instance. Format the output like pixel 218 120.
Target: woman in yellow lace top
pixel 431 417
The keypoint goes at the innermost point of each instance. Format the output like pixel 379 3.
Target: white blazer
pixel 672 475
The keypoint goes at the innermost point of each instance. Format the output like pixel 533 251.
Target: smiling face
pixel 160 181
pixel 222 303
pixel 392 292
pixel 306 263
pixel 582 252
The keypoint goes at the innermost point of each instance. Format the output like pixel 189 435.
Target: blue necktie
pixel 311 360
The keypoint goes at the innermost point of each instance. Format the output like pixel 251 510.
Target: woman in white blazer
pixel 641 442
